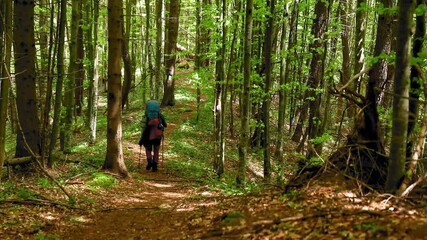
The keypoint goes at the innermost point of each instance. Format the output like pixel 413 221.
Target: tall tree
pixel 92 9
pixel 416 79
pixel 5 75
pixel 318 50
pixel 172 24
pixel 220 90
pixel 127 61
pixel 28 137
pixel 268 66
pixel 245 94
pixel 114 157
pixel 60 79
pixel 69 95
pixel 155 86
pixel 396 168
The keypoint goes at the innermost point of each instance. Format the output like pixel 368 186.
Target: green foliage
pixel 24 193
pixel 44 236
pixel 43 182
pixel 321 139
pixel 6 190
pixel 102 180
pixel 369 226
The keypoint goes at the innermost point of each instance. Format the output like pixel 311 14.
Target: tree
pixel 155 90
pixel 5 75
pixel 220 90
pixel 268 66
pixel 245 96
pixel 28 136
pixel 67 130
pixel 60 79
pixel 114 158
pixel 172 24
pixel 396 167
pixel 93 71
pixel 318 50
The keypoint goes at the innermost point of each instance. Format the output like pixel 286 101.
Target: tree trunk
pixel 245 96
pixel 282 95
pixel 60 79
pixel 49 88
pixel 359 41
pixel 149 52
pixel 79 68
pixel 155 88
pixel 69 95
pixel 93 75
pixel 268 66
pixel 114 158
pixel 6 50
pixel 344 6
pixel 170 48
pixel 396 168
pixel 220 92
pixel 28 137
pixel 415 84
pixel 127 82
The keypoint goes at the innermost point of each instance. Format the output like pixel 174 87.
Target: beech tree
pixel 172 24
pixel 396 168
pixel 114 158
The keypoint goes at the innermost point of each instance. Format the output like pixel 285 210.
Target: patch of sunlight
pixel 197 206
pixel 48 216
pixel 159 185
pixel 186 127
pixel 172 195
pixel 79 219
pixel 182 96
pixel 80 147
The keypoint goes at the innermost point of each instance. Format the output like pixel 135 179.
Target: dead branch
pixel 38 202
pixel 131 208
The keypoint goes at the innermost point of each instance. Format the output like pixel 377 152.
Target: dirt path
pixel 153 208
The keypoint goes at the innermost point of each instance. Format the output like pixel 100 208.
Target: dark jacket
pixel 145 136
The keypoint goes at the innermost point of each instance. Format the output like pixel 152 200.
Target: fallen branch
pixel 39 202
pixel 316 215
pixel 132 208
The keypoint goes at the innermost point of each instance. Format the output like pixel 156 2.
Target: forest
pixel 292 119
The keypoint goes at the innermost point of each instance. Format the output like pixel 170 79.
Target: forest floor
pixel 160 205
pixel 166 205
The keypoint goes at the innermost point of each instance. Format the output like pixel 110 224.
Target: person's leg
pixel 148 149
pixel 156 148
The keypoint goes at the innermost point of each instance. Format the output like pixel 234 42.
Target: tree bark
pixel 60 79
pixel 114 158
pixel 92 10
pixel 155 88
pixel 28 137
pixel 6 50
pixel 220 92
pixel 245 95
pixel 172 24
pixel 268 66
pixel 396 168
pixel 318 50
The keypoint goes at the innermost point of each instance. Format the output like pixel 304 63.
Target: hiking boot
pixel 154 166
pixel 149 164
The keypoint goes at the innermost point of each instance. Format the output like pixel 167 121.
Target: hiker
pixel 152 134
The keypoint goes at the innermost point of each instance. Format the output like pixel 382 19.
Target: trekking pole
pixel 163 144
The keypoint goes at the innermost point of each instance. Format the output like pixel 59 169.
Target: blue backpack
pixel 152 114
pixel 152 110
